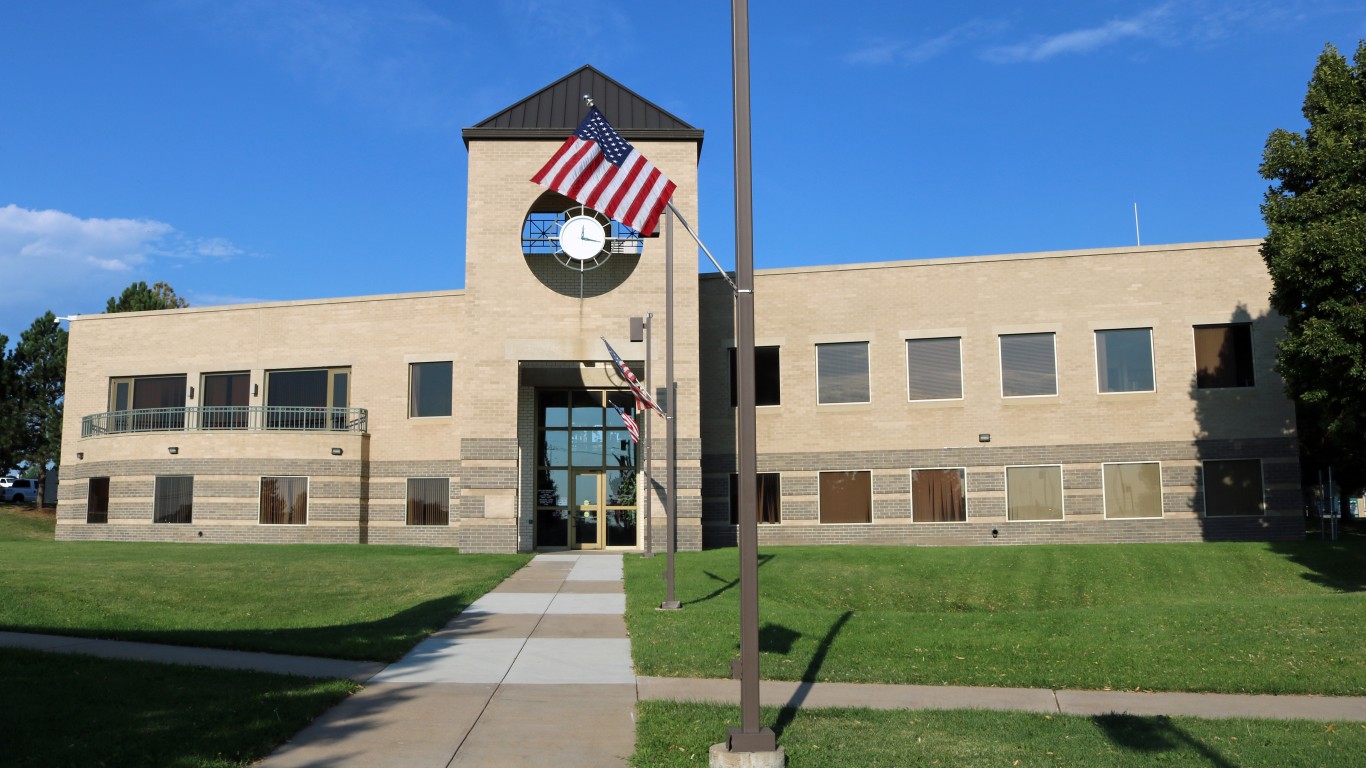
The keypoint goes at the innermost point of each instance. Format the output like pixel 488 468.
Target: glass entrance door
pixel 585 531
pixel 585 471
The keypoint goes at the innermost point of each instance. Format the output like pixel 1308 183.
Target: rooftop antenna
pixel 1138 238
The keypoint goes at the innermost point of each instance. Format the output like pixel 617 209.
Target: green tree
pixel 10 432
pixel 139 298
pixel 40 362
pixel 1315 250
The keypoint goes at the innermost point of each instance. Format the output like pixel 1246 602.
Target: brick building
pixel 1102 395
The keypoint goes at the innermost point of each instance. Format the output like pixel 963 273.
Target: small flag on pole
pixel 598 168
pixel 641 395
pixel 629 421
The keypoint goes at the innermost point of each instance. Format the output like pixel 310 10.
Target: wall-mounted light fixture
pixel 984 438
pixel 995 532
pixel 255 390
pixel 336 451
pixel 80 455
pixel 191 393
pixel 173 450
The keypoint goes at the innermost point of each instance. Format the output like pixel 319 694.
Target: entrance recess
pixel 585 471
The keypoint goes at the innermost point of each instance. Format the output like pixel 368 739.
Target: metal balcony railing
pixel 245 417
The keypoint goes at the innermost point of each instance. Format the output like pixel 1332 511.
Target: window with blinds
pixel 284 501
pixel 842 373
pixel 1132 490
pixel 1223 356
pixel 846 497
pixel 1034 493
pixel 1124 360
pixel 174 500
pixel 1028 365
pixel 429 500
pixel 934 369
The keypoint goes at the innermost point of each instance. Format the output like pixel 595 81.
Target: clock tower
pixel 545 461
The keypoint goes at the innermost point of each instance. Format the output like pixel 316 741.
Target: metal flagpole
pixel 749 737
pixel 670 423
pixel 649 446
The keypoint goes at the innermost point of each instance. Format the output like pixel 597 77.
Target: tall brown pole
pixel 649 447
pixel 749 737
pixel 670 424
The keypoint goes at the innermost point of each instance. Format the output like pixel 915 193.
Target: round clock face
pixel 582 237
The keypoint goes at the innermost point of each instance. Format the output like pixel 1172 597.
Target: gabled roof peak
pixel 555 111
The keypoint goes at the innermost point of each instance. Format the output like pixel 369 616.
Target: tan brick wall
pixel 1071 294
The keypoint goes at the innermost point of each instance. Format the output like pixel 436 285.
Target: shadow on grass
pixel 1339 565
pixel 383 639
pixel 1154 735
pixel 725 585
pixel 789 710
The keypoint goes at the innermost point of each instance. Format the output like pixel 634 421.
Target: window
pixel 842 373
pixel 934 369
pixel 297 399
pixel 1034 493
pixel 768 495
pixel 1028 367
pixel 1124 360
pixel 159 400
pixel 429 389
pixel 174 500
pixel 97 501
pixel 1132 490
pixel 767 389
pixel 937 496
pixel 1223 356
pixel 846 497
pixel 1233 487
pixel 284 501
pixel 223 400
pixel 429 500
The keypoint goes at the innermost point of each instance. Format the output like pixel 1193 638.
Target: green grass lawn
pixel 70 710
pixel 679 734
pixel 340 601
pixel 1245 617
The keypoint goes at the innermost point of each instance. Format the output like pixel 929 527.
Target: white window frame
pixel 308 489
pixel 872 497
pixel 961 389
pixel 1062 483
pixel 1204 483
pixel 816 349
pixel 450 501
pixel 910 475
pixel 1001 370
pixel 1161 491
pixel 1152 359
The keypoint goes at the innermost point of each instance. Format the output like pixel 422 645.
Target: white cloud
pixel 881 52
pixel 1149 24
pixel 55 260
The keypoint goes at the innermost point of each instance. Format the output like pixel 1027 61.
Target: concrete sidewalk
pixel 1214 705
pixel 536 672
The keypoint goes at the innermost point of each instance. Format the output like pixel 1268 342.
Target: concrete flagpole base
pixel 720 756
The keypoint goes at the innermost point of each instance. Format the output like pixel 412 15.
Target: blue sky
pixel 247 150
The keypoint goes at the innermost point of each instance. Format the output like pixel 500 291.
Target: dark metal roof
pixel 556 110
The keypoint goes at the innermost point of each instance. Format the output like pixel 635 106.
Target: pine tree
pixel 1315 250
pixel 40 363
pixel 139 298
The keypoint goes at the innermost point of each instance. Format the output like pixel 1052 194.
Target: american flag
pixel 641 395
pixel 598 168
pixel 629 421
